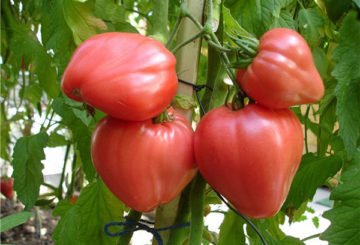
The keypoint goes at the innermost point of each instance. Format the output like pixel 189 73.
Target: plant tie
pixel 140 225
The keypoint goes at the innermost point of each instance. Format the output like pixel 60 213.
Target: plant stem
pixel 197 35
pixel 306 129
pixel 160 15
pixel 133 216
pixel 176 26
pixel 63 172
pixel 197 196
pixel 177 236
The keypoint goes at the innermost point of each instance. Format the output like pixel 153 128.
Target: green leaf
pixel 27 156
pixel 81 134
pixel 257 16
pixel 315 221
pixel 113 14
pixel 24 43
pixel 231 25
pixel 81 20
pixel 291 241
pixel 347 72
pixel 83 222
pixel 55 33
pixel 312 173
pixel 321 61
pixel 56 140
pixel 231 230
pixel 327 111
pixel 5 136
pixel 13 220
pixel 33 93
pixel 284 20
pixel 357 2
pixel 309 22
pixel 335 9
pixel 345 216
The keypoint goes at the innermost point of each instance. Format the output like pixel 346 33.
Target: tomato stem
pixel 165 116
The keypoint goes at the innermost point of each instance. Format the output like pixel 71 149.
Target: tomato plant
pixel 144 164
pixel 6 187
pixel 283 72
pixel 126 75
pixel 119 57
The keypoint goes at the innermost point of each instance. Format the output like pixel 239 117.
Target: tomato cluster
pixel 132 78
pixel 248 155
pixel 251 155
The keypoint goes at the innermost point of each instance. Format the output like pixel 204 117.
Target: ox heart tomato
pixel 144 164
pixel 283 73
pixel 250 156
pixel 126 75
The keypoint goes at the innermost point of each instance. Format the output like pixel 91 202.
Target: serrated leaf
pixel 312 173
pixel 309 22
pixel 115 14
pixel 13 220
pixel 83 222
pixel 24 43
pixel 347 72
pixel 345 216
pixel 335 9
pixel 231 230
pixel 81 134
pixel 27 156
pixel 284 20
pixel 56 140
pixel 256 16
pixel 55 33
pixel 81 20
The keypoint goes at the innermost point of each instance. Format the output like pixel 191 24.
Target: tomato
pixel 144 164
pixel 239 74
pixel 6 187
pixel 250 156
pixel 126 75
pixel 283 73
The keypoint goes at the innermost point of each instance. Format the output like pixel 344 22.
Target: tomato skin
pixel 126 75
pixel 283 73
pixel 250 156
pixel 6 187
pixel 144 164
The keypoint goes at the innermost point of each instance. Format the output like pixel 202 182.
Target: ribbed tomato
pixel 283 72
pixel 144 164
pixel 250 156
pixel 126 75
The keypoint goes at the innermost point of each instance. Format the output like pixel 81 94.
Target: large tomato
pixel 126 75
pixel 144 164
pixel 250 156
pixel 283 73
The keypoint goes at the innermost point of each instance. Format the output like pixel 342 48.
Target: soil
pixel 28 233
